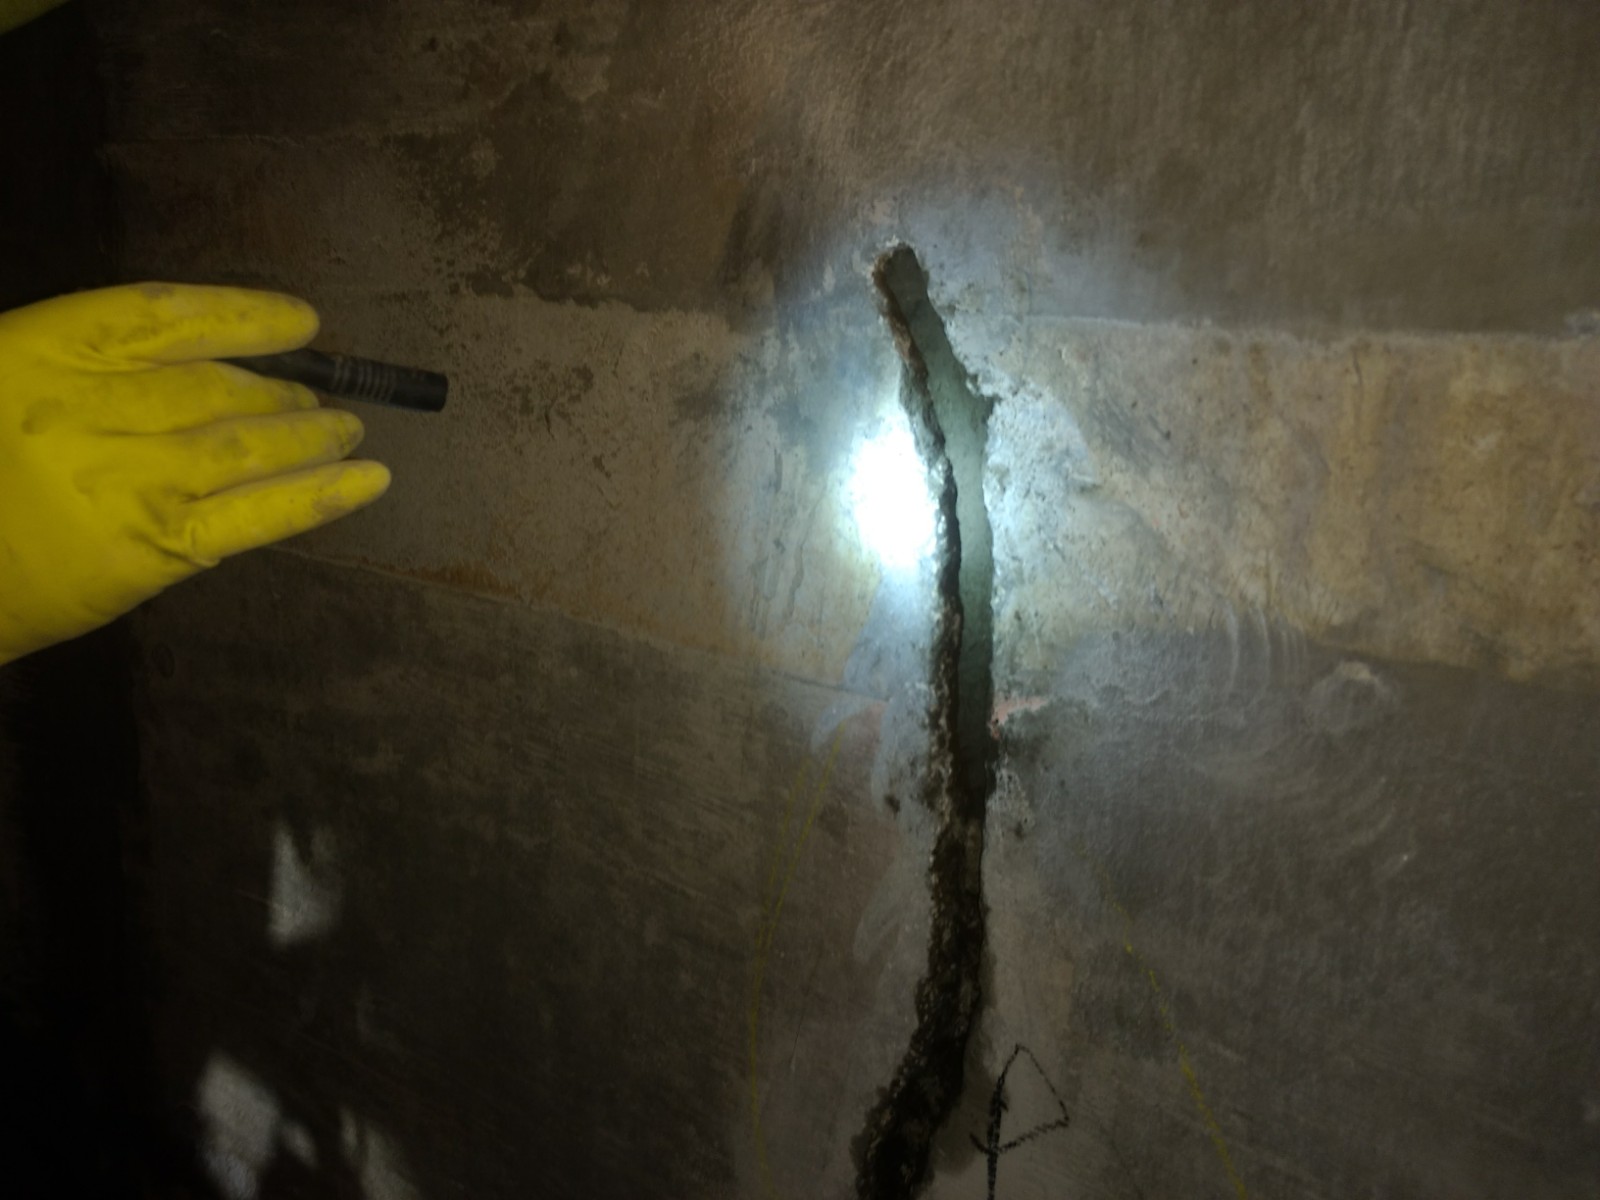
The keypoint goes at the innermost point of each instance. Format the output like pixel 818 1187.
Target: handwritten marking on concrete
pixel 993 1147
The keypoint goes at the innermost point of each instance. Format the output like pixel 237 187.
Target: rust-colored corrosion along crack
pixel 949 423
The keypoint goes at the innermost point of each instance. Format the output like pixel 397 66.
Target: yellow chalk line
pixel 1213 1129
pixel 772 897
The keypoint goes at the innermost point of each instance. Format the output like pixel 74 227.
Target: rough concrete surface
pixel 1425 498
pixel 590 761
pixel 546 908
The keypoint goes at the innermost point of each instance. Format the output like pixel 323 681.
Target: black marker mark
pixel 992 1147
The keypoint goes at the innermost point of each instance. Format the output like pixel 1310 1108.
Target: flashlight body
pixel 352 378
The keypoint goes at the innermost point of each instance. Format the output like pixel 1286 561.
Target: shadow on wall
pixel 72 997
pixel 473 913
pixel 72 1062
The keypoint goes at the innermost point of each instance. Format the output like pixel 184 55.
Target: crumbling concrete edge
pixel 893 1149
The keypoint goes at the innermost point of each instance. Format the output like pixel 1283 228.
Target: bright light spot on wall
pixel 376 1159
pixel 298 1143
pixel 889 496
pixel 239 1127
pixel 305 895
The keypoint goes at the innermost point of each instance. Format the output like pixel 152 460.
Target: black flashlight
pixel 352 378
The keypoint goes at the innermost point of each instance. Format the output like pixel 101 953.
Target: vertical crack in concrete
pixel 949 420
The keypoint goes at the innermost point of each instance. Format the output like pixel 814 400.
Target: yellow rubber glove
pixel 19 12
pixel 128 461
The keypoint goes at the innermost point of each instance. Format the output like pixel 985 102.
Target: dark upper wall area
pixel 1363 164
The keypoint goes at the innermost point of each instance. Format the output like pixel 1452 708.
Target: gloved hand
pixel 18 12
pixel 128 461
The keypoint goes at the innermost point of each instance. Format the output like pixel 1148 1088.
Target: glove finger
pixel 190 395
pixel 226 454
pixel 18 12
pixel 144 323
pixel 258 514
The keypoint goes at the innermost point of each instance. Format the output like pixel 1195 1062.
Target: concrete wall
pixel 561 825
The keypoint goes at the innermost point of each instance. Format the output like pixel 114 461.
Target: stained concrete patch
pixel 1418 498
